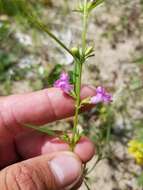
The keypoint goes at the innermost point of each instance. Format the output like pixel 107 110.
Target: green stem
pixel 95 164
pixel 78 65
pixel 85 17
pixel 78 69
pixel 88 188
pixel 77 89
pixel 108 135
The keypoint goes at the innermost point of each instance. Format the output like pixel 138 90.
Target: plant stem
pixel 88 188
pixel 78 65
pixel 85 17
pixel 77 89
pixel 95 164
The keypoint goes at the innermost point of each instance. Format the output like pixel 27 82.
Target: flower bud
pixel 75 51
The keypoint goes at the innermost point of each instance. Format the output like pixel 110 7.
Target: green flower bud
pixel 75 51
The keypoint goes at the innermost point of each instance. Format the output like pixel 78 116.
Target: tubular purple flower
pixel 101 96
pixel 64 76
pixel 63 83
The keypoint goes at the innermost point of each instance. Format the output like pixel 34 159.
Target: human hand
pixel 34 161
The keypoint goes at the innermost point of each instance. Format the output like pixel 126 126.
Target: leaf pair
pixel 90 6
pixel 82 56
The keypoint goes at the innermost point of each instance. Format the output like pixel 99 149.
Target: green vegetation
pixel 30 61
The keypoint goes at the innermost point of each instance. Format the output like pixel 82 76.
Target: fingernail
pixel 66 168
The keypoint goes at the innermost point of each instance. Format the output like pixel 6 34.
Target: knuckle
pixel 21 177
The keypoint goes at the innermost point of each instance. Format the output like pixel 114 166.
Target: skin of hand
pixel 34 161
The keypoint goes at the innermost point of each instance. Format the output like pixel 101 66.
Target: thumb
pixel 59 170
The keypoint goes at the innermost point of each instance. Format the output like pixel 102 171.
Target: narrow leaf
pixel 94 4
pixel 43 129
pixel 25 9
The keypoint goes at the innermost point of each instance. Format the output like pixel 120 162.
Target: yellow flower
pixel 135 148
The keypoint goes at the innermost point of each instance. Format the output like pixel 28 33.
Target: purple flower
pixel 101 96
pixel 63 83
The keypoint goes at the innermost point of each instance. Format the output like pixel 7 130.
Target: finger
pixel 33 144
pixel 85 149
pixel 36 108
pixel 49 172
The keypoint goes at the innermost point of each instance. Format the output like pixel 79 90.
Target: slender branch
pixel 88 188
pixel 85 17
pixel 94 165
pixel 78 65
pixel 77 89
pixel 108 135
pixel 32 17
pixel 45 29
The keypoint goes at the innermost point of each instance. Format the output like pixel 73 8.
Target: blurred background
pixel 30 60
